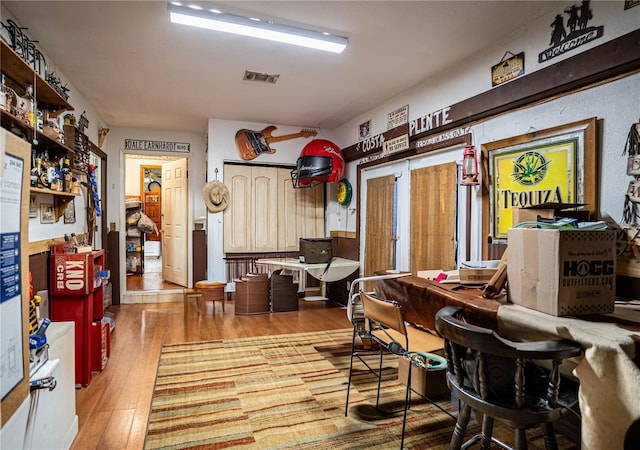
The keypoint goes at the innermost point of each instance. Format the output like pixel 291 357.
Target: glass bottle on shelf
pixel 31 107
pixel 38 174
pixel 34 175
pixel 46 175
pixel 3 95
pixel 66 175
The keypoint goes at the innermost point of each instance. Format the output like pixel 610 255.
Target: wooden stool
pixel 192 293
pixel 212 291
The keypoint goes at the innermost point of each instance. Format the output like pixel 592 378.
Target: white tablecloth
pixel 338 269
pixel 609 378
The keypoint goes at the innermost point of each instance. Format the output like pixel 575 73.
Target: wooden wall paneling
pixel 311 211
pixel 199 255
pixel 237 236
pixel 433 217
pixel 112 260
pixel 288 230
pixel 39 268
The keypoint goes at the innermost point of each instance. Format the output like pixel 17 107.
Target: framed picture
pixel 364 130
pixel 46 213
pixel 556 165
pixel 70 212
pixel 33 206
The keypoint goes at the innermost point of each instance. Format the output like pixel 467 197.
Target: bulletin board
pixel 14 280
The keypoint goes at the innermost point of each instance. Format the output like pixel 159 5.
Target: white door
pixel 175 196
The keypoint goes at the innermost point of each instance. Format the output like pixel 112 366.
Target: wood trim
pixel 618 57
pixel 343 234
pixel 45 245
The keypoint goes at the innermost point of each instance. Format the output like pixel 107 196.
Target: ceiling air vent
pixel 260 76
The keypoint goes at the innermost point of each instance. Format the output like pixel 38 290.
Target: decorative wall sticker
pixel 579 33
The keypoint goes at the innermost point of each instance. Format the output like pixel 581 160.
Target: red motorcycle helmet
pixel 320 161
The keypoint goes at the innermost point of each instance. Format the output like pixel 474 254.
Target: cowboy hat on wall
pixel 216 196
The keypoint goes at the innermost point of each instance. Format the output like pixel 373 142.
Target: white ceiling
pixel 138 70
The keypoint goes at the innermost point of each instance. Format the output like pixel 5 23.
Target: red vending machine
pixel 76 295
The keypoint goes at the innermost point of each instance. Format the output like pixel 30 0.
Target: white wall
pixel 116 173
pixel 616 104
pixel 222 148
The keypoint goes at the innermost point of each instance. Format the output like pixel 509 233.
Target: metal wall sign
pixel 398 117
pixel 443 137
pixel 373 144
pixel 396 145
pixel 507 69
pixel 157 146
pixel 578 32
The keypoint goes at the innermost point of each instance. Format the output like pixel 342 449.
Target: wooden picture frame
pixel 47 213
pixel 556 165
pixel 70 212
pixel 33 206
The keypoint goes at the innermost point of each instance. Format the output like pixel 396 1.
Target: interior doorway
pixel 143 265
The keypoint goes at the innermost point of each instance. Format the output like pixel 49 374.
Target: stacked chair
pixel 284 293
pixel 252 294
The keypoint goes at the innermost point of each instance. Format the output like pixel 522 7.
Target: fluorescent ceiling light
pixel 230 23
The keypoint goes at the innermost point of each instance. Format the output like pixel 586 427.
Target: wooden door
pixel 433 217
pixel 174 201
pixel 378 249
pixel 152 202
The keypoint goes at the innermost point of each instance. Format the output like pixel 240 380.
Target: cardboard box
pixel 548 211
pixel 476 276
pixel 430 383
pixel 562 272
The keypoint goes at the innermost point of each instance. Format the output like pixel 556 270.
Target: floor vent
pixel 260 77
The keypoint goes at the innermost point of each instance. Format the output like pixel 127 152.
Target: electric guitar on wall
pixel 251 144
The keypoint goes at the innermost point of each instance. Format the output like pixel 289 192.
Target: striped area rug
pixel 280 392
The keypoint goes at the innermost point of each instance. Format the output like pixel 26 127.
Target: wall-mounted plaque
pixel 507 69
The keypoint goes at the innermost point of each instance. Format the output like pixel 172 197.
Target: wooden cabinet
pixel 266 213
pixel 251 219
pixel 300 213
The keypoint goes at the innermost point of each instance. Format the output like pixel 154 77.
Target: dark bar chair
pixel 498 378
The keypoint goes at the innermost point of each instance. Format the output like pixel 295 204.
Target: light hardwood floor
pixel 114 408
